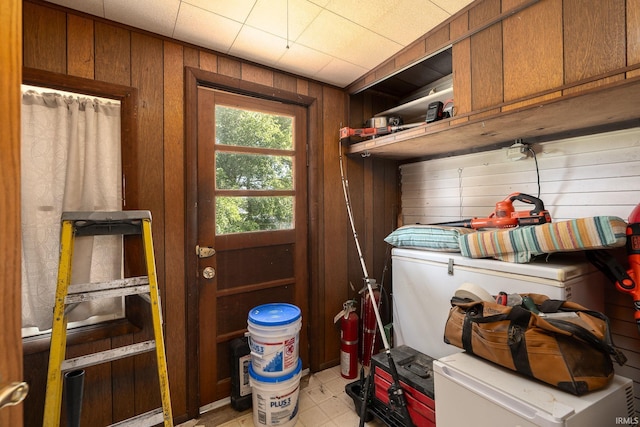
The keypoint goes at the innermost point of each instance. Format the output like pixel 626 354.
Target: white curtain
pixel 70 161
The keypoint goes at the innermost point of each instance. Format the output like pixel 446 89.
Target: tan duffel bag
pixel 564 344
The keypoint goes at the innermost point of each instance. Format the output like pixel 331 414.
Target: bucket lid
pixel 275 314
pixel 274 380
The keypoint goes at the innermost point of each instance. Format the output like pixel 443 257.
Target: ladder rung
pixel 107 355
pixel 106 222
pixel 147 419
pixel 115 288
pixel 105 216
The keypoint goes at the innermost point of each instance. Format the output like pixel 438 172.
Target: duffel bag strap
pixel 605 345
pixel 519 318
pixel 473 315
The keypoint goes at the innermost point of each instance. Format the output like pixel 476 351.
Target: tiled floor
pixel 322 403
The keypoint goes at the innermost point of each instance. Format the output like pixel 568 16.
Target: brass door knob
pixel 209 273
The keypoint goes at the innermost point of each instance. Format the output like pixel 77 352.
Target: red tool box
pixel 415 372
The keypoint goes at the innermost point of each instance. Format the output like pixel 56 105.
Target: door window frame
pixel 251 104
pixel 194 79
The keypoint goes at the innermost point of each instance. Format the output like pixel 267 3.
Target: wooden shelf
pixel 604 106
pixel 416 109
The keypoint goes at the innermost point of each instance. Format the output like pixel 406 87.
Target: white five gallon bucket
pixel 274 335
pixel 275 399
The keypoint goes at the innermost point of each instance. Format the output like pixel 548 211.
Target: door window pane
pixel 245 128
pixel 239 171
pixel 253 213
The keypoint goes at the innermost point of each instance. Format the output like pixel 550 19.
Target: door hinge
pixel 205 251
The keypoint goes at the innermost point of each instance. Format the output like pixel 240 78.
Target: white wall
pixel 579 177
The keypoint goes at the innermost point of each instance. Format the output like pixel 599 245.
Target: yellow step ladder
pixel 75 224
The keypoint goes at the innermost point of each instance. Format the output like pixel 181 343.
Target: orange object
pixel 626 281
pixel 630 285
pixel 505 216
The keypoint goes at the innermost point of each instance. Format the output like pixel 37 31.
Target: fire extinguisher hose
pixel 396 394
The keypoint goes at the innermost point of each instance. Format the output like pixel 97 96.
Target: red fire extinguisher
pixel 348 340
pixel 369 324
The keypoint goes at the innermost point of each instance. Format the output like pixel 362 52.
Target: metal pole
pixel 396 394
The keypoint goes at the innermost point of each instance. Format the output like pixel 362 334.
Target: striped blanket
pixel 520 245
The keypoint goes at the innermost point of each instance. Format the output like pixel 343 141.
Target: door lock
pixel 209 273
pixel 205 251
pixel 12 394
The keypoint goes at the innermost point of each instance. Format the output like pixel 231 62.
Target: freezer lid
pixel 515 392
pixel 560 267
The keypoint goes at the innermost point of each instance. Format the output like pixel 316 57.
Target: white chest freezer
pixel 425 281
pixel 472 391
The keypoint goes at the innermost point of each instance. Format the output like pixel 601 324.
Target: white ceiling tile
pixel 330 34
pixel 338 71
pixel 205 29
pixel 303 60
pixel 362 13
pixel 405 27
pixel 451 6
pixel 157 16
pixel 238 10
pixel 258 46
pixel 321 3
pixel 271 16
pixel 336 41
pixel 370 49
pixel 92 7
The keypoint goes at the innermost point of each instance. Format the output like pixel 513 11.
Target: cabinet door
pixel 594 38
pixel 461 65
pixel 633 36
pixel 486 57
pixel 532 49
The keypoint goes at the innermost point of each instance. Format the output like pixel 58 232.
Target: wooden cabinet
pixel 486 57
pixel 532 50
pixel 531 69
pixel 594 38
pixel 633 36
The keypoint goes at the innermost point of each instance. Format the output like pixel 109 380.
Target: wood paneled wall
pixel 73 44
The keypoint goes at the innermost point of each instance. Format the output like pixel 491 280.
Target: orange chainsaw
pixel 505 216
pixel 628 280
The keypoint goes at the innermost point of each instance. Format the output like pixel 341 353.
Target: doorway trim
pixel 194 78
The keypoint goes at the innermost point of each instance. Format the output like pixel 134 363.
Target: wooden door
pixel 251 221
pixel 10 280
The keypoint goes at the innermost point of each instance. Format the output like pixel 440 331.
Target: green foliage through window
pixel 258 171
pixel 245 214
pixel 246 128
pixel 236 171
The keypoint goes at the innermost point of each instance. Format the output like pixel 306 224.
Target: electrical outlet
pixel 518 151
